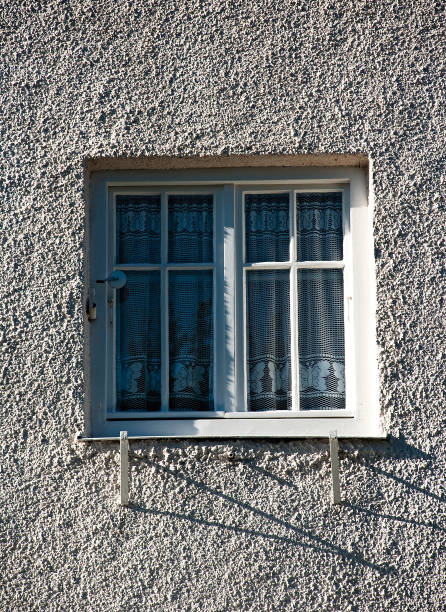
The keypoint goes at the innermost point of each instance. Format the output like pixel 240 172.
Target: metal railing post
pixel 334 458
pixel 124 467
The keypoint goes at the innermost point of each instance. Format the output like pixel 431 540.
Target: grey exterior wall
pixel 234 525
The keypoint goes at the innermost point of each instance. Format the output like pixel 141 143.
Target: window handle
pixel 116 280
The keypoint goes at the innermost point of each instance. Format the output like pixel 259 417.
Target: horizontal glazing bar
pixel 320 264
pixel 137 267
pixel 170 266
pixel 268 265
pixel 286 265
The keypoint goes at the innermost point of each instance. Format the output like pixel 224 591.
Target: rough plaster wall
pixel 234 525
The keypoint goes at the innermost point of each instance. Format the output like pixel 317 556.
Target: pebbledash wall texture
pixel 229 524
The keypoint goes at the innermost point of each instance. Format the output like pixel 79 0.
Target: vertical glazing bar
pixel 350 376
pixel 293 311
pixel 242 364
pixel 112 238
pixel 229 288
pixel 237 303
pixel 164 306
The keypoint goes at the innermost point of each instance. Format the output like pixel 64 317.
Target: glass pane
pixel 138 229
pixel 191 228
pixel 267 234
pixel 138 343
pixel 191 340
pixel 269 340
pixel 319 226
pixel 321 339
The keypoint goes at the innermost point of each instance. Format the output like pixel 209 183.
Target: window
pixel 231 303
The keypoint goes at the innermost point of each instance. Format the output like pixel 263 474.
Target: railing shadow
pixel 413 453
pixel 281 481
pixel 392 517
pixel 409 485
pixel 314 542
pixel 372 468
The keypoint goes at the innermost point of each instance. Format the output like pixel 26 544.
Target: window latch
pixel 116 280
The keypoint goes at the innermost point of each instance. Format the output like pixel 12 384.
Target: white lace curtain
pixel 190 340
pixel 321 339
pixel 138 343
pixel 267 234
pixel 138 229
pixel 320 303
pixel 190 303
pixel 269 340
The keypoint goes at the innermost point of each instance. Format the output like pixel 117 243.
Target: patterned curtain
pixel 321 339
pixel 320 302
pixel 138 229
pixel 191 340
pixel 267 238
pixel 319 226
pixel 267 235
pixel 191 234
pixel 269 340
pixel 191 230
pixel 138 329
pixel 138 343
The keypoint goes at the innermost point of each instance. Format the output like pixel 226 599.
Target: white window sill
pixel 254 426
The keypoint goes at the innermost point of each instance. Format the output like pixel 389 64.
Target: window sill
pixel 252 427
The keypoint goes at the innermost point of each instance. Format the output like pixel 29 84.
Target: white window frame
pixel 230 419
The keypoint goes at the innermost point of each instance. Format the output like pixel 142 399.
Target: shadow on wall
pixel 305 538
pixel 367 511
pixel 299 536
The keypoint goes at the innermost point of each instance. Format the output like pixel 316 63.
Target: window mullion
pixel 294 321
pixel 241 319
pixel 164 307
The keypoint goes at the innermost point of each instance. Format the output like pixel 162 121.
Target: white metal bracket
pixel 124 467
pixel 91 304
pixel 334 458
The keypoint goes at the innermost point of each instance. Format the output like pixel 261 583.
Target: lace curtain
pixel 191 229
pixel 138 329
pixel 190 303
pixel 138 229
pixel 267 235
pixel 319 226
pixel 191 234
pixel 321 339
pixel 320 302
pixel 191 340
pixel 138 343
pixel 269 340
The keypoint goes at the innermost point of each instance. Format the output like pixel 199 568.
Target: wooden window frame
pixel 230 419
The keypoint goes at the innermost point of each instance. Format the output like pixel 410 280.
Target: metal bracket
pixel 91 304
pixel 334 458
pixel 124 467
